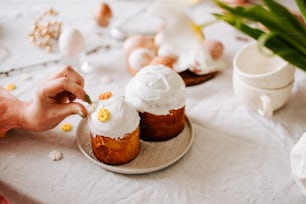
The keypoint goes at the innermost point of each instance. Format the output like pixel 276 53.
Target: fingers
pixel 64 97
pixel 65 110
pixel 60 89
pixel 36 119
pixel 71 74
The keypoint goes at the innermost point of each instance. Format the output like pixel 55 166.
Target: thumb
pixel 71 109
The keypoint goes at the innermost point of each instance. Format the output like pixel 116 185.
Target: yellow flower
pixel 66 127
pixel 103 115
pixel 10 87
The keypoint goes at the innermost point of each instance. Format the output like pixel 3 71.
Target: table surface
pixel 237 156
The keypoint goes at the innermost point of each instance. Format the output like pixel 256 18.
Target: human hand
pixel 55 100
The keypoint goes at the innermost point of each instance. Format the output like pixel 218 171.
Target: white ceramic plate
pixel 153 156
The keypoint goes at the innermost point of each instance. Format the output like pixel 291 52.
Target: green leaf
pixel 285 16
pixel 258 13
pixel 285 35
pixel 274 42
pixel 302 6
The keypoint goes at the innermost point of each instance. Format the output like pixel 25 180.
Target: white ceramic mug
pixel 262 70
pixel 264 101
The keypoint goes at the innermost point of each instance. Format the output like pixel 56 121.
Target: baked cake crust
pixel 116 151
pixel 162 127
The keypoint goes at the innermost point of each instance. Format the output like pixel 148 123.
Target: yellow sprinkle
pixel 10 87
pixel 66 127
pixel 103 115
pixel 2 135
pixel 105 95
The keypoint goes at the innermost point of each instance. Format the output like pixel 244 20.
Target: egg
pixel 166 50
pixel 71 42
pixel 165 60
pixel 159 38
pixel 103 14
pixel 215 48
pixel 138 59
pixel 138 41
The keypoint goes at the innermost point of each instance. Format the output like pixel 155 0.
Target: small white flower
pixel 55 155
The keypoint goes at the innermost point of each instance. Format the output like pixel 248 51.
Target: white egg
pixel 71 42
pixel 139 58
pixel 138 41
pixel 166 50
pixel 159 38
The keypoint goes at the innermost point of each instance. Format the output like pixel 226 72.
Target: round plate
pixel 153 156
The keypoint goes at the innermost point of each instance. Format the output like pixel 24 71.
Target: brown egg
pixel 215 48
pixel 103 14
pixel 165 60
pixel 139 58
pixel 138 41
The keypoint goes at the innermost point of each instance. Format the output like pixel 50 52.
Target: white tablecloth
pixel 237 156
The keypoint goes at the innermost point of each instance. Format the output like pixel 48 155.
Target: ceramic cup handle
pixel 266 108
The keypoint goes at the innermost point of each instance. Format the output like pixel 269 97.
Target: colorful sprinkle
pixel 10 87
pixel 66 127
pixel 105 95
pixel 103 115
pixel 2 135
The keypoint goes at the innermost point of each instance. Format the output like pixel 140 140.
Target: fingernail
pixel 87 98
pixel 81 114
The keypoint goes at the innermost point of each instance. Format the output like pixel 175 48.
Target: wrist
pixel 22 117
pixel 11 112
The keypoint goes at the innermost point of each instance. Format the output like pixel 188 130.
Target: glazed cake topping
pixel 156 89
pixel 112 116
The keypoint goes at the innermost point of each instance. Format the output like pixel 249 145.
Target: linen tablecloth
pixel 237 156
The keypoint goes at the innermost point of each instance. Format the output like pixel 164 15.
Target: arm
pixel 11 109
pixel 54 101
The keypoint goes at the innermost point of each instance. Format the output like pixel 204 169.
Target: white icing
pixel 140 57
pixel 156 89
pixel 123 118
